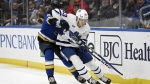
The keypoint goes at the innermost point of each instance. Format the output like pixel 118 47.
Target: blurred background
pixel 134 14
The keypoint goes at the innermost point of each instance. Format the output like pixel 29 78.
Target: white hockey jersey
pixel 82 31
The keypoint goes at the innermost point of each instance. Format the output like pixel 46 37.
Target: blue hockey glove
pixel 60 31
pixel 64 25
pixel 82 47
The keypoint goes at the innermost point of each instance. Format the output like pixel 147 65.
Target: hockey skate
pixel 105 80
pixel 52 80
pixel 81 79
pixel 93 81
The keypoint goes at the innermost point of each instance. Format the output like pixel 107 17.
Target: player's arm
pixel 83 41
pixel 85 35
pixel 55 18
pixel 52 19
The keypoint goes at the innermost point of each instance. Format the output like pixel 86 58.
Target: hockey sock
pixel 70 66
pixel 73 71
pixel 80 67
pixel 95 68
pixel 49 63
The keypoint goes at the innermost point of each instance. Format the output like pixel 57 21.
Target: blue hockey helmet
pixel 56 4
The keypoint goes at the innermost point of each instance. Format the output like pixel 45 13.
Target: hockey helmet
pixel 82 14
pixel 56 4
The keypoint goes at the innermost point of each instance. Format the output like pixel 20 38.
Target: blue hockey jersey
pixel 51 19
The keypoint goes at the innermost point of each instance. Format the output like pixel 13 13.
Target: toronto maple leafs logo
pixel 74 35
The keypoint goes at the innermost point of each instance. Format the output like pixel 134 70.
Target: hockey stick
pixel 74 39
pixel 101 59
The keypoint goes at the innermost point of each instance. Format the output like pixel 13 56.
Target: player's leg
pixel 76 61
pixel 73 70
pixel 95 68
pixel 47 49
pixel 97 71
pixel 70 66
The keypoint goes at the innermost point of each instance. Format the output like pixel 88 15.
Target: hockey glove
pixel 64 25
pixel 82 47
pixel 60 31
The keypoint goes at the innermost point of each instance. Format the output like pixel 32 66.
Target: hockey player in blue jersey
pixel 52 25
pixel 76 51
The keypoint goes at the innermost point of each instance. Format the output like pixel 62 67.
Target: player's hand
pixel 59 31
pixel 64 25
pixel 83 48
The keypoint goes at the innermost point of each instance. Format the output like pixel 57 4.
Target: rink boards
pixel 127 50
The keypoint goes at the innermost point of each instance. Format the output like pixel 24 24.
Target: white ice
pixel 11 74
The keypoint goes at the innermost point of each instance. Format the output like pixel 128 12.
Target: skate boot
pixel 105 80
pixel 52 80
pixel 81 79
pixel 93 81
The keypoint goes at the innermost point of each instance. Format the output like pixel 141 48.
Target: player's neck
pixel 78 25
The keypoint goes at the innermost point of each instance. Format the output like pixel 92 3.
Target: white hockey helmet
pixel 82 14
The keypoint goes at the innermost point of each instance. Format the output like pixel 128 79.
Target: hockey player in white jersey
pixel 78 53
